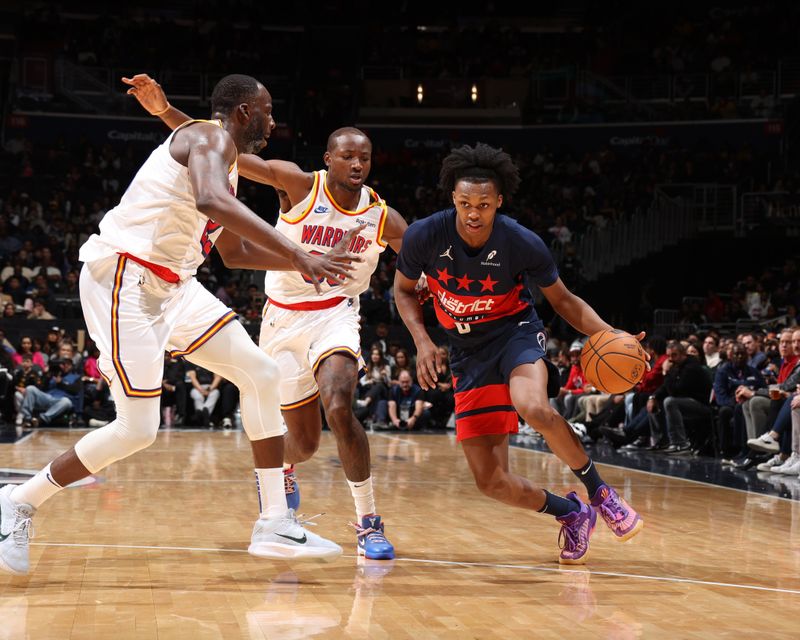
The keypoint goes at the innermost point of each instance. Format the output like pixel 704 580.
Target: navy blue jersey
pixel 477 294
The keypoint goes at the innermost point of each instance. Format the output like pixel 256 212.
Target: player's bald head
pixel 343 132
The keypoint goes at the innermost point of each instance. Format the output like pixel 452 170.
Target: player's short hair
pixel 232 91
pixel 343 131
pixel 480 163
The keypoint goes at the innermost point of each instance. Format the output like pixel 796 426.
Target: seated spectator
pixel 26 347
pixel 26 374
pixel 684 394
pixel 406 405
pixel 729 379
pixel 402 362
pixel 755 356
pixel 14 288
pixel 173 395
pixel 759 408
pixel 9 310
pixel 373 390
pixel 61 393
pixel 39 312
pixel 567 400
pixel 204 392
pixel 710 352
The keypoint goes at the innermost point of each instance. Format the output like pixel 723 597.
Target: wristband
pixel 158 113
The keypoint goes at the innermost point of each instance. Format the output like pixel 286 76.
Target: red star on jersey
pixel 464 282
pixel 443 275
pixel 488 284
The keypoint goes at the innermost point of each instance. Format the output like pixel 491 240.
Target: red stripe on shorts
pixel 490 423
pixel 489 396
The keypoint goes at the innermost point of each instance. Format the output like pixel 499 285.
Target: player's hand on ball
pixel 148 92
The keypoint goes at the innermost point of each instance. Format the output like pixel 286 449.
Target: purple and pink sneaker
pixel 576 529
pixel 618 514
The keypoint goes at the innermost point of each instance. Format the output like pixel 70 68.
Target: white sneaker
pixel 15 530
pixel 285 539
pixel 765 443
pixel 526 430
pixel 789 468
pixel 769 465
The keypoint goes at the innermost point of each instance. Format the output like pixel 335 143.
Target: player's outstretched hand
pixel 429 365
pixel 334 265
pixel 148 92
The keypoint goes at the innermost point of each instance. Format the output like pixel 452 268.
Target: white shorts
pixel 300 340
pixel 134 316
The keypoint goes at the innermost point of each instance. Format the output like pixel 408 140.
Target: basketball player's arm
pixel 429 362
pixel 210 153
pixel 241 253
pixel 573 309
pixel 393 229
pixel 280 174
pixel 151 96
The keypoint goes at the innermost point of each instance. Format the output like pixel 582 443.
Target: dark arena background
pixel 658 146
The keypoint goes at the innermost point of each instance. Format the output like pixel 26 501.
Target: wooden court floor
pixel 156 549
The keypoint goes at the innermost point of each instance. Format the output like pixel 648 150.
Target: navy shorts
pixel 480 380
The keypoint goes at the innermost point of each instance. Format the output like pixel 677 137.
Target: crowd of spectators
pixel 734 397
pixel 727 56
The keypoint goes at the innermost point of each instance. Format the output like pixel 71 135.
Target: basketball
pixel 613 361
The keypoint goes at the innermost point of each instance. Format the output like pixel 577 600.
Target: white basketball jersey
pixel 157 218
pixel 317 224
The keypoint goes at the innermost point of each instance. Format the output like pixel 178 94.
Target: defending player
pixel 140 297
pixel 315 339
pixel 478 264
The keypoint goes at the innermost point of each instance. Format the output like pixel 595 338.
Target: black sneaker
pixel 677 449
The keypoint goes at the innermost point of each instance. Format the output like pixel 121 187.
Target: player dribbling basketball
pixel 478 264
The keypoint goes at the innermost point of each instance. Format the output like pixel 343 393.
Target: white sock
pixel 286 466
pixel 37 490
pixel 271 494
pixel 362 496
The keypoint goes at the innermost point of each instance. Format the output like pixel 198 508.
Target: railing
pixel 712 205
pixel 89 86
pixel 768 208
pixel 666 222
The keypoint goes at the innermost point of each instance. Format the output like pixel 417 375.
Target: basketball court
pixel 155 548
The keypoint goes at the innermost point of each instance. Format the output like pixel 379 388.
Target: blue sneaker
pixel 371 541
pixel 291 489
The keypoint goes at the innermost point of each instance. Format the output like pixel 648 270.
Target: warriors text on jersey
pixel 157 220
pixel 478 293
pixel 317 224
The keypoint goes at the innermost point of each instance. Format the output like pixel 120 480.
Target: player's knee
pixel 491 485
pixel 538 414
pixel 139 429
pixel 305 447
pixel 339 412
pixel 263 372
